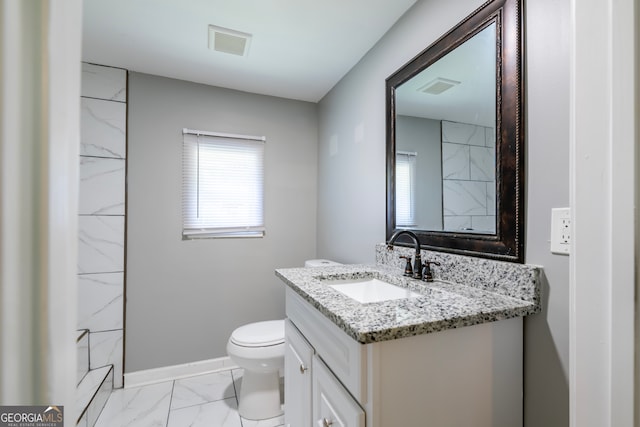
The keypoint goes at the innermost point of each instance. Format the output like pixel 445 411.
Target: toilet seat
pixel 259 334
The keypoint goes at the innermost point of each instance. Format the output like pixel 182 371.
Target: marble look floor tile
pixel 155 405
pixel 146 406
pixel 223 413
pixel 202 389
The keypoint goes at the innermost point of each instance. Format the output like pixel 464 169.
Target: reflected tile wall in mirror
pixel 468 186
pixel 462 133
pixel 455 161
pixel 464 198
pixel 482 164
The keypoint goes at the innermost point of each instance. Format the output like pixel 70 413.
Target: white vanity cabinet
pixel 469 376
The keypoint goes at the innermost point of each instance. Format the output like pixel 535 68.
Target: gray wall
pixel 185 297
pixel 424 137
pixel 351 152
pixel 351 183
pixel 547 183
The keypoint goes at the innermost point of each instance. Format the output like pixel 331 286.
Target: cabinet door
pixel 346 357
pixel 333 406
pixel 297 378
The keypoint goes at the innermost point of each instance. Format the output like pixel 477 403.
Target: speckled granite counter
pixel 443 304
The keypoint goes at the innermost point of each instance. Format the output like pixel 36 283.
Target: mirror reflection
pixel 446 141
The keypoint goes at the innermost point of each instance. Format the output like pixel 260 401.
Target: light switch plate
pixel 560 231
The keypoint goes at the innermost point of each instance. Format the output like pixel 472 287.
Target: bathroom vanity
pixel 449 355
pixel 368 347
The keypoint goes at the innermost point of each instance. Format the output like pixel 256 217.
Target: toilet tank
pixel 320 263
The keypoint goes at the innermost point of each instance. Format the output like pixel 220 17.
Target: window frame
pixel 221 226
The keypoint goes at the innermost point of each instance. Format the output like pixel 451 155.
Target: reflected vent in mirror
pixel 438 85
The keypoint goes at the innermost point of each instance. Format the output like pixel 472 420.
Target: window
pixel 405 188
pixel 222 185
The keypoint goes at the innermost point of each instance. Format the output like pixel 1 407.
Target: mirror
pixel 445 141
pixel 455 139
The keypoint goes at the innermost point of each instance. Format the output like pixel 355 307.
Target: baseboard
pixel 174 372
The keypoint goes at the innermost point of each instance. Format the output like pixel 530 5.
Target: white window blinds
pixel 405 188
pixel 223 185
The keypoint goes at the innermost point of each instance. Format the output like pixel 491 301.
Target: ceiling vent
pixel 438 85
pixel 229 41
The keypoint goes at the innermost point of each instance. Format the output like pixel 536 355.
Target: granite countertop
pixel 443 305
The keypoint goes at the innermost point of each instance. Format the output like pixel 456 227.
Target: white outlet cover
pixel 561 231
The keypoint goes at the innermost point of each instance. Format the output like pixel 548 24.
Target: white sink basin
pixel 366 290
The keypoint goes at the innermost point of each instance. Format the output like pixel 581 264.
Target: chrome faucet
pixel 417 262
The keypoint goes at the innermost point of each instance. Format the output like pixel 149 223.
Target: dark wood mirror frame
pixel 508 242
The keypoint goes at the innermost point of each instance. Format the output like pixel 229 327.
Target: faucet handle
pixel 427 276
pixel 408 271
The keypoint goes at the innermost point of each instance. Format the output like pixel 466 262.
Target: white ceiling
pixel 300 48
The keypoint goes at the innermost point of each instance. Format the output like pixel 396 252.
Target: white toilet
pixel 258 348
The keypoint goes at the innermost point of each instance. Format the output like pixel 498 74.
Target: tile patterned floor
pixel 208 400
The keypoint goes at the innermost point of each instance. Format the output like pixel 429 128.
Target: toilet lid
pixel 259 334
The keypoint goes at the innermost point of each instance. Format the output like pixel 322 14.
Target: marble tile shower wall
pixel 103 148
pixel 469 183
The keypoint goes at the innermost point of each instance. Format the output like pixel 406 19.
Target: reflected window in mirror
pixel 406 189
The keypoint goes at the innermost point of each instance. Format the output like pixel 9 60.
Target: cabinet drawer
pixel 332 405
pixel 345 356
